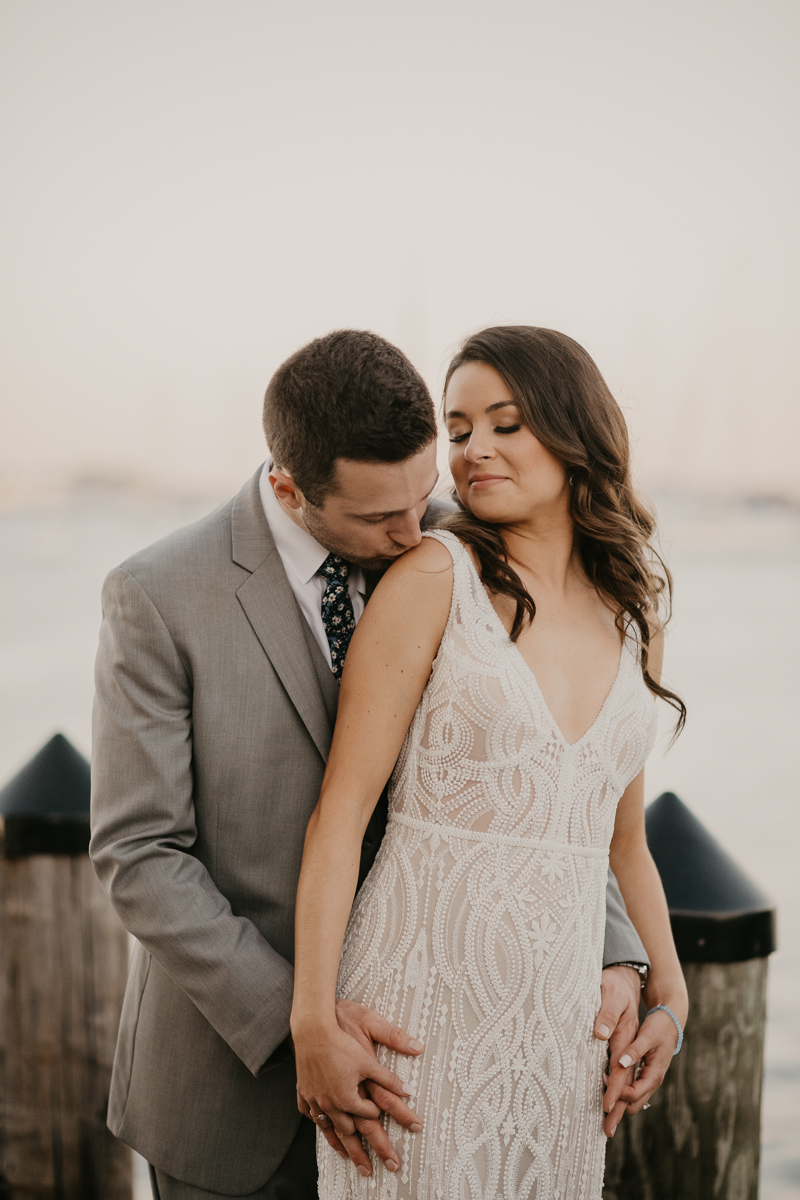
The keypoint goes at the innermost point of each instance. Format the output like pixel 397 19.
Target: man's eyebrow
pixel 492 408
pixel 398 511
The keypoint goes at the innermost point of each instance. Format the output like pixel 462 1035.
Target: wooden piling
pixel 701 1137
pixel 63 964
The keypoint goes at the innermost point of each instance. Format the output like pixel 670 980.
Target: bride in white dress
pixel 509 666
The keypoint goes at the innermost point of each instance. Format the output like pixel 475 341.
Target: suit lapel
pixel 270 607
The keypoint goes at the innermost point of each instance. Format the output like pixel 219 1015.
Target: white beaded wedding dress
pixel 480 926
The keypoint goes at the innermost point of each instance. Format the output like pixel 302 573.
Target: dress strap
pixel 453 543
pixel 458 551
pixel 464 574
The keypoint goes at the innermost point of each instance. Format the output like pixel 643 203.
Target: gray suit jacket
pixel 213 717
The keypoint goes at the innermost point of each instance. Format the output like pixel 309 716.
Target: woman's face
pixel 502 472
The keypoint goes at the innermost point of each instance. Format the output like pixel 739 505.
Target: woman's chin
pixel 492 512
pixel 486 504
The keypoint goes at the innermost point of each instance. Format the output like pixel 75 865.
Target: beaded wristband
pixel 678 1026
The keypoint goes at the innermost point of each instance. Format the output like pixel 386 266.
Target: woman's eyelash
pixel 459 437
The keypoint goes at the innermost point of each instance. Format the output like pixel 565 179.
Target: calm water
pixel 733 652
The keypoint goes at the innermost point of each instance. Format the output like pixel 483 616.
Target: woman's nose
pixel 477 448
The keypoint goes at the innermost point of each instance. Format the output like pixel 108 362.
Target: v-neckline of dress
pixel 527 667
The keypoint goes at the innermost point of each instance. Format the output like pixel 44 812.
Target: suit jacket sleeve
pixel 622 943
pixel 144 828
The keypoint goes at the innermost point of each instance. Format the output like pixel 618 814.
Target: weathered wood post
pixel 700 1139
pixel 63 962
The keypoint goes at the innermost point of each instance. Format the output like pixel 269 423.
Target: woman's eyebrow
pixel 492 408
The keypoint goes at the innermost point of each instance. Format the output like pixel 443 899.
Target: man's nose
pixel 405 530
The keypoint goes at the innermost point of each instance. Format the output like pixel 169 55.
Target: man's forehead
pixel 381 487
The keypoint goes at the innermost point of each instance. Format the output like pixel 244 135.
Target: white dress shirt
pixel 302 556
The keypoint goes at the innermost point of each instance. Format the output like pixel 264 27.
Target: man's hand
pixel 618 1023
pixel 345 1083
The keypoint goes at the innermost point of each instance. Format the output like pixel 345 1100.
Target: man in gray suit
pixel 217 684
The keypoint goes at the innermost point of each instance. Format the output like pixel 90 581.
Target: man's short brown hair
pixel 350 394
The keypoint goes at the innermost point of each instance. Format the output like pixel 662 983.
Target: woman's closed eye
pixel 460 437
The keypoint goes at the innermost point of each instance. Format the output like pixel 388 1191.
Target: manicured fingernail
pixel 362 1170
pixel 626 1061
pixel 604 1032
pixel 415 1128
pixel 409 1089
pixel 390 1166
pixel 613 1131
pixel 415 1045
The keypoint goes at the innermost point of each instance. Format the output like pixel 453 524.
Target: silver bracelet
pixel 678 1026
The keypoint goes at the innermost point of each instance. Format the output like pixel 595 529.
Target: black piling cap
pixel 46 805
pixel 717 913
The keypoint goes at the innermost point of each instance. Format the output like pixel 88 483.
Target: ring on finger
pixel 644 1106
pixel 320 1118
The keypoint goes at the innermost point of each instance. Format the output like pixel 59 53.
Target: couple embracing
pixel 361 759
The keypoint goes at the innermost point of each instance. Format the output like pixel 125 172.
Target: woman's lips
pixel 480 482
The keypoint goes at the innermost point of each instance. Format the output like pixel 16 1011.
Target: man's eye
pixel 507 428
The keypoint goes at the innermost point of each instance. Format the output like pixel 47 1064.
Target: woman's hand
pixel 654 1047
pixel 642 891
pixel 337 1071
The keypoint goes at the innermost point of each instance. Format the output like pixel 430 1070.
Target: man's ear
pixel 286 490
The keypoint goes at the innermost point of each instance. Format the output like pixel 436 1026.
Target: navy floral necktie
pixel 337 610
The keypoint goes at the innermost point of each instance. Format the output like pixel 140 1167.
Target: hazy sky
pixel 192 190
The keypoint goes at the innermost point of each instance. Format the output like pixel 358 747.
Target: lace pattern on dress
pixel 480 926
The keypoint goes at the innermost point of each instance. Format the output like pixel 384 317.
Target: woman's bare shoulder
pixel 418 582
pixel 409 608
pixel 656 649
pixel 430 557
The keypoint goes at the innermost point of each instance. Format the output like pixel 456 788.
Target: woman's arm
pixel 642 890
pixel 388 664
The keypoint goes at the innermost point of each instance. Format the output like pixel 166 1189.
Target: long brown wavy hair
pixel 567 405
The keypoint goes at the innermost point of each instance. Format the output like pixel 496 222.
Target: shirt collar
pixel 301 553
